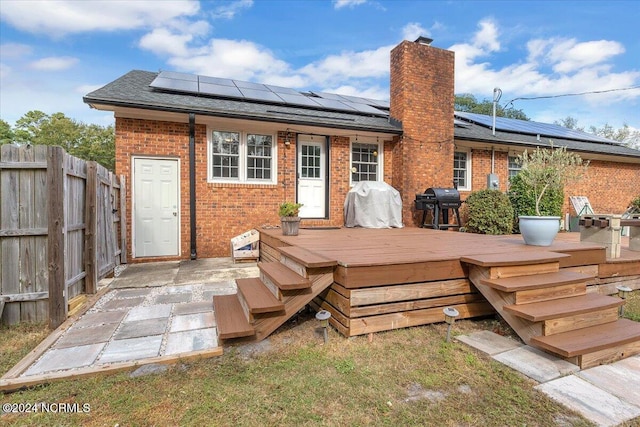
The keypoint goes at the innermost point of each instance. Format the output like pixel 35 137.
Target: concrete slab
pixel 489 342
pixel 148 312
pixel 213 270
pixel 84 336
pixel 192 321
pixel 131 349
pixel 630 362
pixel 599 406
pixel 147 275
pixel 173 298
pixel 619 380
pixel 130 293
pixel 120 304
pixel 185 341
pixel 65 358
pixel 179 289
pixel 192 307
pixel 536 364
pixel 141 328
pixel 100 318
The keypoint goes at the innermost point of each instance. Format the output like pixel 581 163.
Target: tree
pixel 467 103
pixel 88 142
pixel 6 133
pixel 625 134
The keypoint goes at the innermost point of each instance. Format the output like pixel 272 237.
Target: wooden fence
pixel 61 230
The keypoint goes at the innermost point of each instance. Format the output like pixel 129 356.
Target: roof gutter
pixel 192 182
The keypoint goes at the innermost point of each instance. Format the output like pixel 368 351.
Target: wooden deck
pixel 393 278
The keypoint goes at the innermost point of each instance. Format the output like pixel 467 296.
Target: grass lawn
pixel 399 378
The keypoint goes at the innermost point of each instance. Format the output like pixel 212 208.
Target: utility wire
pixel 568 94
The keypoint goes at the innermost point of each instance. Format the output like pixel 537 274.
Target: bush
pixel 523 199
pixel 488 212
pixel 635 203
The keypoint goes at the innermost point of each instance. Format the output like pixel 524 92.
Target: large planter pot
pixel 539 230
pixel 290 225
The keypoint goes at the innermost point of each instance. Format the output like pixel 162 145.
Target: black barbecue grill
pixel 439 200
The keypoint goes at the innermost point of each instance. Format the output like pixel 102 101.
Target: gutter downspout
pixel 192 182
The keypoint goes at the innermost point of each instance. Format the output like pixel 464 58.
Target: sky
pixel 52 53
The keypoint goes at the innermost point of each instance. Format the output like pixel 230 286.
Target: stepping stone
pixel 100 318
pixel 489 342
pixel 619 380
pixel 595 404
pixel 193 321
pixel 118 304
pixel 174 298
pixel 131 349
pixel 141 328
pixel 84 336
pixel 193 307
pixel 536 364
pixel 65 358
pixel 130 293
pixel 149 312
pixel 187 341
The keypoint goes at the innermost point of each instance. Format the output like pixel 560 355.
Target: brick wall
pixel 422 98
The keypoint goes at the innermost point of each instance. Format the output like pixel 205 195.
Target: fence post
pixel 90 231
pixel 55 240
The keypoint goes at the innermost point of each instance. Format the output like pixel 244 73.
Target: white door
pixel 155 207
pixel 312 177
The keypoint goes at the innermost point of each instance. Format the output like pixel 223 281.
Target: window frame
pixel 509 168
pixel 380 160
pixel 243 157
pixel 467 170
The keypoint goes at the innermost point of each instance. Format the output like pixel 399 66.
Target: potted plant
pixel 545 171
pixel 289 218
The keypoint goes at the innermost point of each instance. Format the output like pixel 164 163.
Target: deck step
pixel 513 258
pixel 564 307
pixel 307 258
pixel 258 298
pixel 284 278
pixel 230 317
pixel 537 281
pixel 590 340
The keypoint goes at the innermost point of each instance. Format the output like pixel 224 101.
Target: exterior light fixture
pixel 323 316
pixel 450 315
pixel 623 293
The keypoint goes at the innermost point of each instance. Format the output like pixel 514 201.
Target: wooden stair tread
pixel 230 317
pixel 513 258
pixel 563 307
pixel 283 277
pixel 591 339
pixel 258 297
pixel 306 257
pixel 537 281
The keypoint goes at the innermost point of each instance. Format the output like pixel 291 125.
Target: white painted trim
pixel 133 201
pixel 380 145
pixel 468 171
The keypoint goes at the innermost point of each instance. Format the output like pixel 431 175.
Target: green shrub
pixel 289 209
pixel 523 199
pixel 488 212
pixel 636 203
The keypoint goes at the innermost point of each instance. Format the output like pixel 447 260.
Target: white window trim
pixel 242 153
pixel 380 158
pixel 468 174
pixel 512 154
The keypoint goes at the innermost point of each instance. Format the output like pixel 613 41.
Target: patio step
pixel 230 317
pixel 595 345
pixel 542 287
pixel 564 307
pixel 516 264
pixel 256 299
pixel 305 262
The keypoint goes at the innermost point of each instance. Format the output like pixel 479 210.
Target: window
pixel 462 170
pixel 242 157
pixel 365 162
pixel 514 166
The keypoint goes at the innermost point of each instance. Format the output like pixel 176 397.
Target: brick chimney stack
pixel 422 98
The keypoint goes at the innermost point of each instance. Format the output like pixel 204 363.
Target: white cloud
pixel 58 18
pixel 15 50
pixel 568 55
pixel 413 30
pixel 339 4
pixel 53 63
pixel 229 11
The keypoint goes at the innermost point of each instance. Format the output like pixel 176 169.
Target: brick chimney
pixel 422 98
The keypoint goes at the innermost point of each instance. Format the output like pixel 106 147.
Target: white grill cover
pixel 372 204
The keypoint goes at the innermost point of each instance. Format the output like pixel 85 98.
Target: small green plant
pixel 523 199
pixel 289 209
pixel 549 169
pixel 635 203
pixel 489 212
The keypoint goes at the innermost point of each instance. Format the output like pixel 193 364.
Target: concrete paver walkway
pixel 150 310
pixel 608 395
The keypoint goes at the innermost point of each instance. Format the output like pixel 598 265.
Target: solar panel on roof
pixel 365 108
pixel 325 95
pixel 279 90
pixel 298 100
pixel 531 128
pixel 250 85
pixel 261 95
pixel 212 89
pixel 333 104
pixel 175 84
pixel 177 75
pixel 216 81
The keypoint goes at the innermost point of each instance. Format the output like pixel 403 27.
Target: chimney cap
pixel 424 40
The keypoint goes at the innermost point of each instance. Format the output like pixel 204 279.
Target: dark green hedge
pixel 488 212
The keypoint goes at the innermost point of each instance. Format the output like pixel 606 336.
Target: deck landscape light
pixel 450 315
pixel 623 292
pixel 323 316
